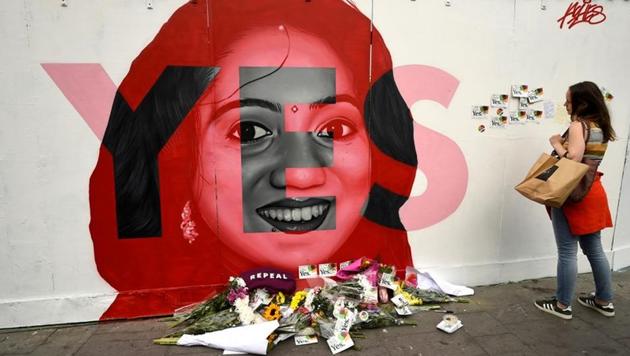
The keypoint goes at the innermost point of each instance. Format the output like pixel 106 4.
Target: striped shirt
pixel 595 146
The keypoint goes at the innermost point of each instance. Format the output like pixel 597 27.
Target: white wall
pixel 47 151
pixel 496 235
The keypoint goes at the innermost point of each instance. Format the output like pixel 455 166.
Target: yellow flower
pixel 297 299
pixel 272 312
pixel 411 299
pixel 280 298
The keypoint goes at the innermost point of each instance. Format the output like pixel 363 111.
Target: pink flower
pixel 238 293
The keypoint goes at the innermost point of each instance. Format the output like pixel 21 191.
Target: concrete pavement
pixel 500 320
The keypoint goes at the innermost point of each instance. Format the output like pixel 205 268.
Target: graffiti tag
pixel 582 12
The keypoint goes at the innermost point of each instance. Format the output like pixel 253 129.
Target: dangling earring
pixel 188 226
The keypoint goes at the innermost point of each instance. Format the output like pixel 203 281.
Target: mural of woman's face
pixel 284 161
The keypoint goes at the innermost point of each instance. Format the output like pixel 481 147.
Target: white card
pixel 499 121
pixel 338 343
pixel 345 264
pixel 307 271
pixel 523 104
pixel 499 100
pixel 520 90
pixel 305 339
pixel 327 269
pixel 388 281
pixel 536 95
pixel 403 310
pixel 534 115
pixel 449 328
pixel 479 112
pixel 399 301
pixel 370 295
pixel 343 325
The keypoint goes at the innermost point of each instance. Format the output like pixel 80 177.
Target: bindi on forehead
pixel 294 89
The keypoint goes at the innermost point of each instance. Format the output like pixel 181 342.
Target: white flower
pixel 242 302
pixel 246 316
pixel 245 313
pixel 240 282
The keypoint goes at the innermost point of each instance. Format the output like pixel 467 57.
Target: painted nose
pixel 305 158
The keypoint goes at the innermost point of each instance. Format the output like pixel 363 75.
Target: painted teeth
pixel 296 214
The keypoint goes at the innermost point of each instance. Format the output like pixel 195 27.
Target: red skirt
pixel 592 213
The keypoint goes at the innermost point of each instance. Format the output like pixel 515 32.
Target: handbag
pixel 551 180
pixel 584 186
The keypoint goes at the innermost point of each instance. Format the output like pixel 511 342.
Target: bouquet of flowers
pixel 336 311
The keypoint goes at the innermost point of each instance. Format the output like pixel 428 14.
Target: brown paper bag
pixel 551 180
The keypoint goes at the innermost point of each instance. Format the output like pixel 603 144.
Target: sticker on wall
pixel 516 118
pixel 607 94
pixel 499 121
pixel 480 112
pixel 499 112
pixel 327 269
pixel 534 115
pixel 536 95
pixel 550 109
pixel 481 128
pixel 523 104
pixel 520 90
pixel 307 271
pixel 499 101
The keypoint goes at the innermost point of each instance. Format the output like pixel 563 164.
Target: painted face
pixel 284 160
pixel 567 103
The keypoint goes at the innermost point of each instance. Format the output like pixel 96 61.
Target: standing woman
pixel 582 221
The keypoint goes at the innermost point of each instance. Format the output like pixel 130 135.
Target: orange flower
pixel 272 312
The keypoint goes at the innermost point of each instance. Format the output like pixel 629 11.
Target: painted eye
pixel 250 132
pixel 337 128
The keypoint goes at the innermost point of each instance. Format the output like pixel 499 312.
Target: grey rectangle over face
pixel 268 97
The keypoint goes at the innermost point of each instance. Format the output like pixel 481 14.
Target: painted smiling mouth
pixel 294 215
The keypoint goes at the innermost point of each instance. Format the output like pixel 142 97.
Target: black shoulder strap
pixel 586 130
